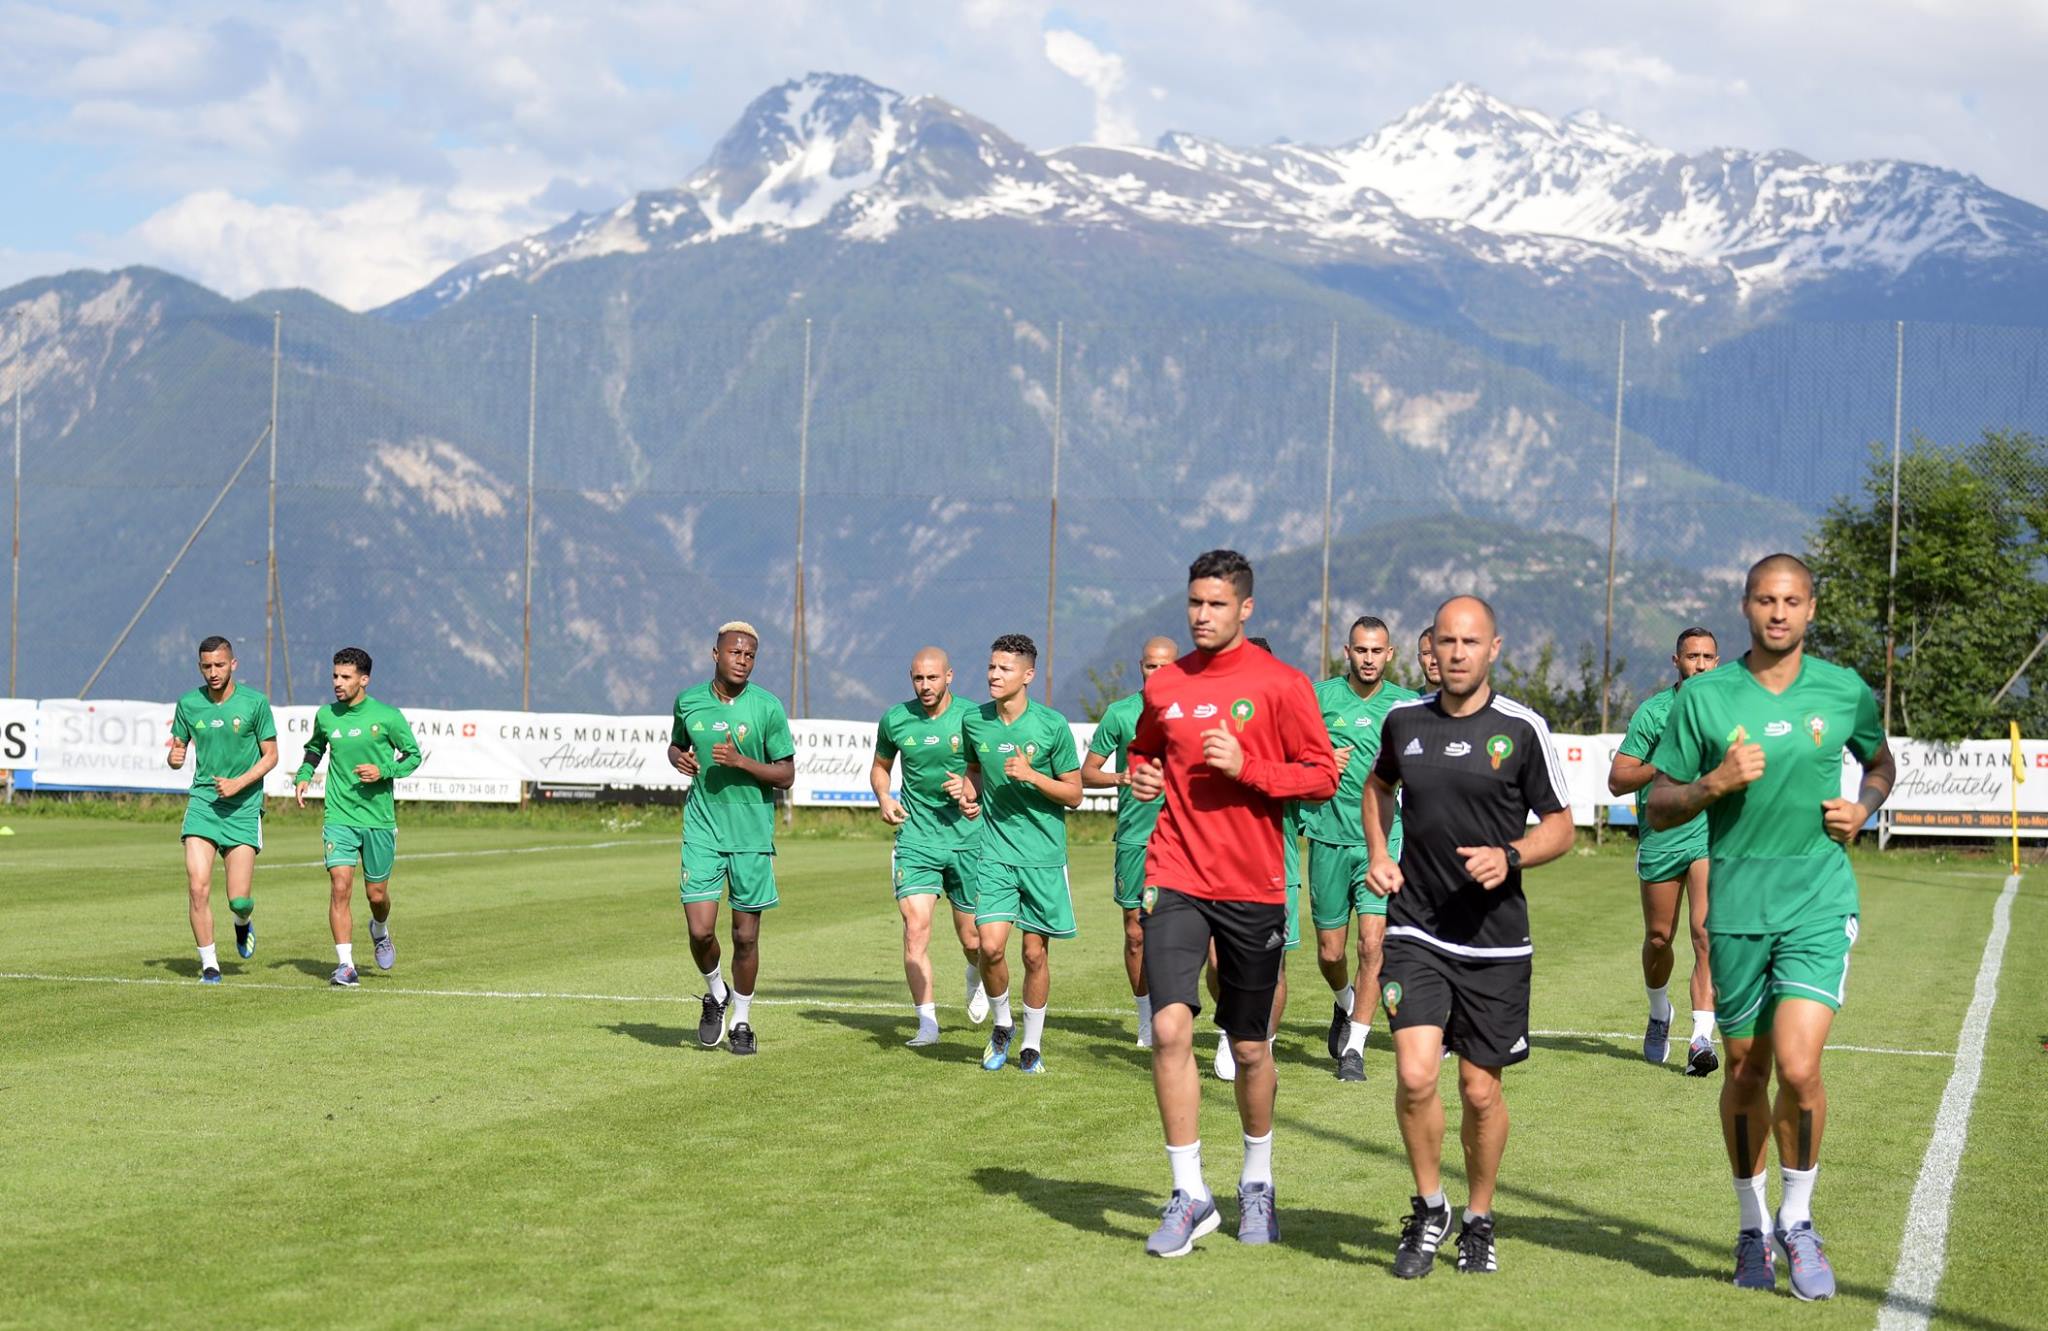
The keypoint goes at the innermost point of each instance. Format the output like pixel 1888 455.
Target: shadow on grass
pixel 886 1031
pixel 1584 1044
pixel 185 966
pixel 1107 1036
pixel 1128 1215
pixel 664 1037
pixel 319 970
pixel 830 987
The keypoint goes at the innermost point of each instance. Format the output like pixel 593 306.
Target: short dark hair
pixel 215 643
pixel 1368 622
pixel 1260 643
pixel 1693 632
pixel 354 656
pixel 1017 644
pixel 1775 564
pixel 1223 564
pixel 1428 634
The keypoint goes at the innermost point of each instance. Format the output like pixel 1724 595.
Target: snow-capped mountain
pixel 1461 178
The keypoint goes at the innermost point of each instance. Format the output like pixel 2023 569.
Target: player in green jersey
pixel 1668 865
pixel 732 739
pixel 1022 777
pixel 1353 705
pixel 1134 818
pixel 936 845
pixel 369 746
pixel 236 736
pixel 1757 745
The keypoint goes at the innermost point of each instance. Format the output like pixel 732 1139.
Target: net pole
pixel 1052 547
pixel 1329 492
pixel 532 433
pixel 1891 581
pixel 799 668
pixel 1613 544
pixel 270 524
pixel 14 592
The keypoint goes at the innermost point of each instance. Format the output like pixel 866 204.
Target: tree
pixel 1103 689
pixel 1571 706
pixel 1971 600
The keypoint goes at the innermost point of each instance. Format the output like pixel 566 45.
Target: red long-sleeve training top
pixel 1220 837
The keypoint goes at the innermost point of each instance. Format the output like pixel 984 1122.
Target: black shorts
pixel 1250 940
pixel 1482 1006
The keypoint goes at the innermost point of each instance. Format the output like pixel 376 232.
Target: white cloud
pixel 1102 73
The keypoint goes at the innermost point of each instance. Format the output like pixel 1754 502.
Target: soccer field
pixel 516 1126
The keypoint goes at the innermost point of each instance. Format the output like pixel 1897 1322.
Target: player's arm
pixel 776 774
pixel 1062 789
pixel 879 773
pixel 1382 870
pixel 316 749
pixel 1844 818
pixel 1685 785
pixel 1095 773
pixel 1628 774
pixel 965 789
pixel 266 759
pixel 181 738
pixel 1307 768
pixel 1541 784
pixel 681 754
pixel 405 750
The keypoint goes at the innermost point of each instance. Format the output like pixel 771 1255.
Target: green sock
pixel 243 907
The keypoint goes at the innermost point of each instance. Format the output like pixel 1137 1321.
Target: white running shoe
pixel 977 997
pixel 1226 1066
pixel 925 1035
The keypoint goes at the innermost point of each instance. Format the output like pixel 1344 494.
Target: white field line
pixel 471 854
pixel 1923 1248
pixel 840 1005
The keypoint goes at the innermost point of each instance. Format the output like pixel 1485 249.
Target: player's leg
pixel 1810 975
pixel 1489 1031
pixel 1371 909
pixel 1037 953
pixel 701 888
pixel 1700 1058
pixel 1742 999
pixel 199 857
pixel 1418 999
pixel 341 890
pixel 746 972
pixel 916 905
pixel 1329 910
pixel 992 936
pixel 240 862
pixel 1660 927
pixel 380 851
pixel 1176 947
pixel 1248 966
pixel 962 892
pixel 1045 911
pixel 1225 1062
pixel 1134 970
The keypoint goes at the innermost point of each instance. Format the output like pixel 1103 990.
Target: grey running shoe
pixel 1657 1041
pixel 1475 1247
pixel 1257 1222
pixel 386 951
pixel 1340 1028
pixel 711 1022
pixel 344 977
pixel 1755 1266
pixel 1422 1231
pixel 1700 1058
pixel 1351 1066
pixel 1812 1276
pixel 742 1039
pixel 1184 1220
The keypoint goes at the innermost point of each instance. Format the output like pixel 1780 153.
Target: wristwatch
pixel 1514 857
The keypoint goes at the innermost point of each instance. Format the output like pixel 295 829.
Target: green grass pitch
pixel 516 1128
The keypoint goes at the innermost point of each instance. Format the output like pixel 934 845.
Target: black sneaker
pixel 1475 1247
pixel 1351 1066
pixel 1340 1029
pixel 1421 1232
pixel 741 1041
pixel 711 1024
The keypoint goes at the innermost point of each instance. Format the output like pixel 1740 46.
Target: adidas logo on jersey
pixel 1173 712
pixel 1457 748
pixel 1414 748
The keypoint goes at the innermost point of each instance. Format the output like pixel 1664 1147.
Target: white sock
pixel 1797 1203
pixel 1034 1028
pixel 1355 1044
pixel 208 961
pixel 999 1008
pixel 345 953
pixel 714 984
pixel 740 1003
pixel 1756 1210
pixel 973 978
pixel 378 930
pixel 927 1016
pixel 1187 1170
pixel 1660 1002
pixel 1144 1012
pixel 1347 998
pixel 1258 1159
pixel 1702 1025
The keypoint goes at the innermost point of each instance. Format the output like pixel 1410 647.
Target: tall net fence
pixel 554 511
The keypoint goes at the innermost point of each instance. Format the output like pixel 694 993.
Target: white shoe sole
pixel 1226 1065
pixel 920 1040
pixel 1202 1227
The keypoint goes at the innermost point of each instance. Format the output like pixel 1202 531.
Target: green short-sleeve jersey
pixel 932 749
pixel 1020 826
pixel 1771 864
pixel 226 738
pixel 1135 818
pixel 1354 723
pixel 368 732
pixel 728 810
pixel 1645 728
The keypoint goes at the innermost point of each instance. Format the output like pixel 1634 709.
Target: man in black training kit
pixel 1472 766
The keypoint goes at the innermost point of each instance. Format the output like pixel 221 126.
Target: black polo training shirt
pixel 1465 781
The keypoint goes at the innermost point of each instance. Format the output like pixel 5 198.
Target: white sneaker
pixel 925 1035
pixel 977 997
pixel 1226 1066
pixel 1145 1035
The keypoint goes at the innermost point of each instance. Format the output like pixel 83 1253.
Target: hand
pixel 299 790
pixel 1741 765
pixel 682 759
pixel 1221 751
pixel 367 772
pixel 177 753
pixel 727 754
pixel 1017 767
pixel 1843 818
pixel 1344 756
pixel 1485 865
pixel 1384 877
pixel 959 789
pixel 227 787
pixel 1147 779
pixel 893 812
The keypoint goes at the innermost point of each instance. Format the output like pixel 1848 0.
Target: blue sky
pixel 360 147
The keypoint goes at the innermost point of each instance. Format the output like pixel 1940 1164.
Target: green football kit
pixel 1781 897
pixel 937 845
pixel 1336 828
pixel 1135 818
pixel 728 816
pixel 1661 857
pixel 226 740
pixel 359 819
pixel 1023 870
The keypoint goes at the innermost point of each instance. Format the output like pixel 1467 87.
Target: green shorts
pixel 1666 864
pixel 1293 918
pixel 1754 972
pixel 1035 899
pixel 1336 885
pixel 1129 888
pixel 749 875
pixel 926 871
pixel 376 847
pixel 225 825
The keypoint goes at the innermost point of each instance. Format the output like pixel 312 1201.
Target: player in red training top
pixel 1228 735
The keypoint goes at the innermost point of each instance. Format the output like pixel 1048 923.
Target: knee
pixel 339 889
pixel 1034 953
pixel 916 937
pixel 1417 1078
pixel 1750 1072
pixel 1481 1094
pixel 1368 954
pixel 1330 950
pixel 1657 939
pixel 1801 1076
pixel 378 893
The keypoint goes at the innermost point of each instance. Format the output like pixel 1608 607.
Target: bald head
pixel 931 678
pixel 1777 564
pixel 1466 605
pixel 1156 652
pixel 931 656
pixel 1466 641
